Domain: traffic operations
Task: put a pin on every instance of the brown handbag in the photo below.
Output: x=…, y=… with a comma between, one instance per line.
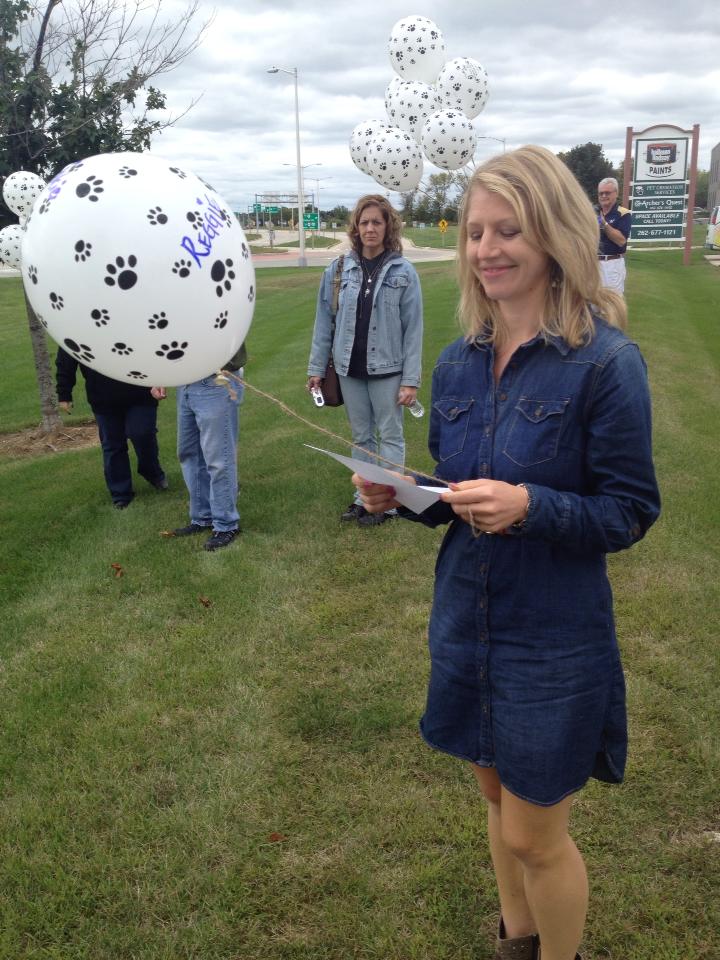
x=332, y=394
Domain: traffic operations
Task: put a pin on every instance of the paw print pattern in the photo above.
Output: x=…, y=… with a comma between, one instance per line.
x=156, y=216
x=137, y=375
x=100, y=316
x=127, y=172
x=251, y=294
x=245, y=250
x=122, y=348
x=158, y=321
x=122, y=273
x=182, y=268
x=56, y=301
x=221, y=320
x=32, y=274
x=90, y=188
x=79, y=350
x=222, y=274
x=178, y=172
x=196, y=221
x=42, y=320
x=83, y=251
x=172, y=350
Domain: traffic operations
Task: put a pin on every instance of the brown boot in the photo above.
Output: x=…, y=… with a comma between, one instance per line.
x=519, y=948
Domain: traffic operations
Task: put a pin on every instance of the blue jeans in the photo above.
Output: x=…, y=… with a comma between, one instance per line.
x=139, y=425
x=208, y=425
x=376, y=420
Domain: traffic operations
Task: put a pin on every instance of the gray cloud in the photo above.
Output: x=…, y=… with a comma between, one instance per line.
x=561, y=73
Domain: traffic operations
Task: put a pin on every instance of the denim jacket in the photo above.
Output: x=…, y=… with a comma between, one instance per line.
x=396, y=324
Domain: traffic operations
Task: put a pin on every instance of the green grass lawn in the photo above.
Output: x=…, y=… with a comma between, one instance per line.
x=215, y=756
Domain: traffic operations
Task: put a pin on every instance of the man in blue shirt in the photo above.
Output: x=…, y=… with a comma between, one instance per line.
x=615, y=222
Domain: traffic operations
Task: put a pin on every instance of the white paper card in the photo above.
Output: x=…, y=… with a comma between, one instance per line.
x=415, y=498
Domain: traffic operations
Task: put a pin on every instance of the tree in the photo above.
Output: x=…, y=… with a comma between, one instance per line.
x=438, y=199
x=701, y=188
x=75, y=80
x=590, y=165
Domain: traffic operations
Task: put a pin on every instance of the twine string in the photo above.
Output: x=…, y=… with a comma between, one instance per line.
x=224, y=378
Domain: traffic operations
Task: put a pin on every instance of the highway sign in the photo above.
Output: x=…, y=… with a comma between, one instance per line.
x=310, y=221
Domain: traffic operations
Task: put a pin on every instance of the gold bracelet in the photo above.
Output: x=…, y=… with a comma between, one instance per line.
x=518, y=525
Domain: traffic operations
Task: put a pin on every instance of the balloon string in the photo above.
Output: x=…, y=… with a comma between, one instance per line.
x=223, y=379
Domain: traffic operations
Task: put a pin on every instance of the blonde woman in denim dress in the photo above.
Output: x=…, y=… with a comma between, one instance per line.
x=541, y=426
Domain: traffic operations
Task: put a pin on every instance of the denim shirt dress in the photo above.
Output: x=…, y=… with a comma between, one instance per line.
x=525, y=669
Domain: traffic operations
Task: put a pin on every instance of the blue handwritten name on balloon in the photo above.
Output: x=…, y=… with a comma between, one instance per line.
x=214, y=220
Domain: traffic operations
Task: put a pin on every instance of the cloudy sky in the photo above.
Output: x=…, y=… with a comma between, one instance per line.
x=561, y=72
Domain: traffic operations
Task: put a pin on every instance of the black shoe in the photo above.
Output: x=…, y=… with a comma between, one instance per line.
x=353, y=512
x=189, y=530
x=372, y=519
x=121, y=504
x=161, y=484
x=220, y=538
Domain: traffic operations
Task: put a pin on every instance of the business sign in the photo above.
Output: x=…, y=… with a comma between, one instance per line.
x=660, y=184
x=653, y=234
x=660, y=189
x=658, y=203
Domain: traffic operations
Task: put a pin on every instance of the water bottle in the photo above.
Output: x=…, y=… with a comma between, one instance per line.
x=416, y=408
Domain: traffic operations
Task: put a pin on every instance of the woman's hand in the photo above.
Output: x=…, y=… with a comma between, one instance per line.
x=377, y=497
x=406, y=395
x=313, y=383
x=490, y=506
x=159, y=393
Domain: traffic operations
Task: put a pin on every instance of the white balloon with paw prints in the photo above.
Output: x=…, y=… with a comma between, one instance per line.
x=139, y=269
x=11, y=245
x=21, y=190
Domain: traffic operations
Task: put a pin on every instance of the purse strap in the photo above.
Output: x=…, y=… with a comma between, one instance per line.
x=337, y=280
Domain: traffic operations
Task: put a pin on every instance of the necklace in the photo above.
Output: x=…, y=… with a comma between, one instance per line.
x=368, y=276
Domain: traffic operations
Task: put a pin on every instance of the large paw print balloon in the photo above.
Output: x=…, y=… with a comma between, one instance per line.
x=130, y=261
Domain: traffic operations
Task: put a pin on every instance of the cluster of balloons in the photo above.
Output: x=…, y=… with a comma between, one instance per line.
x=136, y=267
x=429, y=104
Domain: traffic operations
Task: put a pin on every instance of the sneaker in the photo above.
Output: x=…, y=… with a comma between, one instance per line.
x=353, y=512
x=372, y=519
x=220, y=538
x=121, y=504
x=160, y=484
x=189, y=530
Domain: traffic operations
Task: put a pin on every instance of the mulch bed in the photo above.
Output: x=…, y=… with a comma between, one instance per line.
x=33, y=442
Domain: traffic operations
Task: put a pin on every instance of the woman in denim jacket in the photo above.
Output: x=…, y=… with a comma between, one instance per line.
x=540, y=424
x=377, y=347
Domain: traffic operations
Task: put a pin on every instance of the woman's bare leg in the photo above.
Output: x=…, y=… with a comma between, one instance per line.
x=555, y=880
x=509, y=873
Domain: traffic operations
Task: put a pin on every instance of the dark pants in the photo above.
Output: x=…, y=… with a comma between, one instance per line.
x=116, y=427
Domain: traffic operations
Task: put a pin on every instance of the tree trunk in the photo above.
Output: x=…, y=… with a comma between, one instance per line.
x=51, y=420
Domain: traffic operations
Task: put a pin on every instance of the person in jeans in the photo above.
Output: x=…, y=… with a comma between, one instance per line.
x=123, y=411
x=207, y=436
x=377, y=348
x=540, y=428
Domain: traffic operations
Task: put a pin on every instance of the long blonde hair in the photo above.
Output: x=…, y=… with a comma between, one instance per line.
x=556, y=218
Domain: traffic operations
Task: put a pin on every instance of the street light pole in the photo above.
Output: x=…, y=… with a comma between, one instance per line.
x=302, y=259
x=499, y=140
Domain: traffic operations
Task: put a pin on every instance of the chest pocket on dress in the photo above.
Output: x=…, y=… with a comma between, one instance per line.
x=534, y=433
x=455, y=421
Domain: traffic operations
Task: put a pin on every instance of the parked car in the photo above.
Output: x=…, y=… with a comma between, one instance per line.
x=712, y=237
